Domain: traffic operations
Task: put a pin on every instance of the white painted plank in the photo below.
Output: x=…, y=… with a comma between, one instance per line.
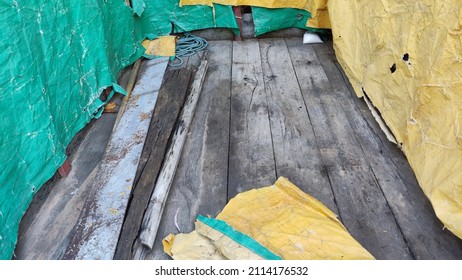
x=97, y=232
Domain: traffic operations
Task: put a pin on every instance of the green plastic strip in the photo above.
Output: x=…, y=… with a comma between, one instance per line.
x=239, y=237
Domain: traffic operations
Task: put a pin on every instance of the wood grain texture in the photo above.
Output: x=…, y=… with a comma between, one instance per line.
x=98, y=228
x=251, y=157
x=153, y=214
x=363, y=208
x=47, y=237
x=169, y=103
x=200, y=185
x=296, y=153
x=422, y=230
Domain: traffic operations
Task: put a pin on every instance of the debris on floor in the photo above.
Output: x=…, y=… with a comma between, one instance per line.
x=275, y=222
x=311, y=38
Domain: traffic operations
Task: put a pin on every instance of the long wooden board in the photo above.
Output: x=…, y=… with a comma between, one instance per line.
x=251, y=157
x=363, y=208
x=100, y=222
x=296, y=153
x=169, y=103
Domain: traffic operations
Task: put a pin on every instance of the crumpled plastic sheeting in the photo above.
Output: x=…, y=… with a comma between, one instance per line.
x=317, y=8
x=208, y=243
x=283, y=219
x=406, y=56
x=162, y=46
x=164, y=17
x=264, y=22
x=297, y=4
x=57, y=58
x=319, y=14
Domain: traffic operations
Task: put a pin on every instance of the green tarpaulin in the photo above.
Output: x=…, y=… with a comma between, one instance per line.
x=166, y=17
x=267, y=20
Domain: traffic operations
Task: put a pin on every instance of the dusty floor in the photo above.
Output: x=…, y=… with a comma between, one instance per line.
x=270, y=108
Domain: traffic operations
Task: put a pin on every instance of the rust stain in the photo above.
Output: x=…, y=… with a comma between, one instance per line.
x=139, y=138
x=144, y=116
x=118, y=156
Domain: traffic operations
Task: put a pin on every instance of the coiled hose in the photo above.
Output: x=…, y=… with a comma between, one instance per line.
x=187, y=46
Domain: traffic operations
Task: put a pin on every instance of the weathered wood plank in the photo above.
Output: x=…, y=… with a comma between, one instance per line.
x=362, y=206
x=296, y=153
x=200, y=185
x=422, y=231
x=100, y=222
x=153, y=214
x=168, y=106
x=251, y=159
x=47, y=237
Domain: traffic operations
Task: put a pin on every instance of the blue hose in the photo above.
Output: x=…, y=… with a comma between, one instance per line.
x=188, y=46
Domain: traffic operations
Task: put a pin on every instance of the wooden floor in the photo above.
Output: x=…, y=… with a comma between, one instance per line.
x=276, y=107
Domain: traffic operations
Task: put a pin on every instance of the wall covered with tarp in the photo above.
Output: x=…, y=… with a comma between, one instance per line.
x=264, y=22
x=317, y=8
x=57, y=57
x=166, y=17
x=406, y=56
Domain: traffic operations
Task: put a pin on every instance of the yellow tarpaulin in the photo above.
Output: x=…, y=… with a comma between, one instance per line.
x=406, y=56
x=317, y=8
x=162, y=46
x=286, y=221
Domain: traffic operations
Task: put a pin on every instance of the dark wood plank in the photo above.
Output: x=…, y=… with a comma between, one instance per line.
x=200, y=184
x=251, y=159
x=297, y=156
x=422, y=230
x=153, y=214
x=170, y=100
x=363, y=208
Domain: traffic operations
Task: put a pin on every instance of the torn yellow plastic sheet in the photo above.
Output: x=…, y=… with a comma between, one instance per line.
x=406, y=56
x=319, y=14
x=191, y=246
x=317, y=8
x=162, y=46
x=206, y=243
x=286, y=221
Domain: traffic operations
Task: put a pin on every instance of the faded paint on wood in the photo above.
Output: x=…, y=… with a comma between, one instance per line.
x=47, y=237
x=100, y=222
x=168, y=106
